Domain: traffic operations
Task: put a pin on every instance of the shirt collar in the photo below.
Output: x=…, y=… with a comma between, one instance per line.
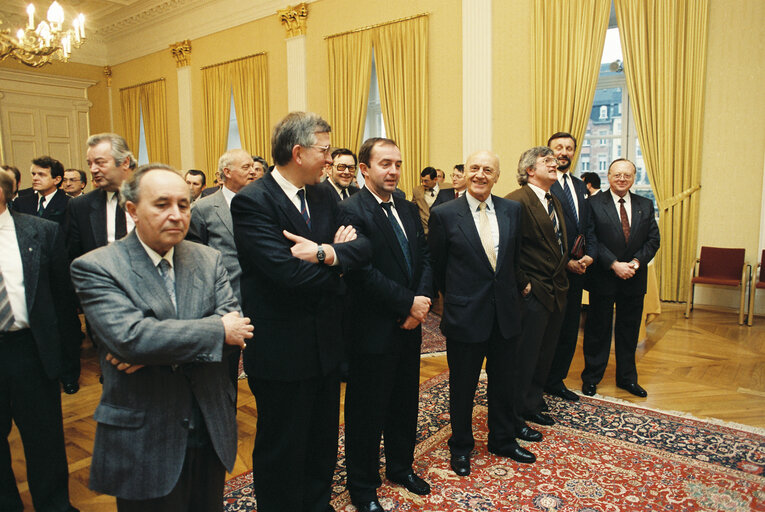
x=616, y=197
x=228, y=194
x=5, y=219
x=379, y=199
x=288, y=188
x=473, y=202
x=154, y=255
x=48, y=197
x=539, y=192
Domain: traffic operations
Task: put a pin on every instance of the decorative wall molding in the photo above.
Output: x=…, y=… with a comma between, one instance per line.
x=294, y=19
x=108, y=75
x=181, y=53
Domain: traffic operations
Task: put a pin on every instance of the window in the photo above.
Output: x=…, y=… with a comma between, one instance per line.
x=602, y=166
x=584, y=164
x=143, y=152
x=234, y=142
x=374, y=126
x=603, y=112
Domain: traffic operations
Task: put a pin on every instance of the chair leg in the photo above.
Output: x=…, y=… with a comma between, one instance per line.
x=741, y=303
x=689, y=303
x=752, y=293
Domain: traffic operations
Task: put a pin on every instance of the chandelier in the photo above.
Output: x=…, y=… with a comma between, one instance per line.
x=38, y=46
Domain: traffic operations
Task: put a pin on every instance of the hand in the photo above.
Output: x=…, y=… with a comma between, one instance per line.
x=123, y=367
x=526, y=291
x=345, y=234
x=420, y=308
x=586, y=261
x=575, y=266
x=306, y=250
x=237, y=329
x=410, y=323
x=622, y=269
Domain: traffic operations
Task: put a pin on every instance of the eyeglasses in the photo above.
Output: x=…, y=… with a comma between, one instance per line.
x=623, y=176
x=343, y=168
x=551, y=160
x=323, y=149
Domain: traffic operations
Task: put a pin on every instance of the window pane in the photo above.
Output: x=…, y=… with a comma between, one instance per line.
x=234, y=142
x=143, y=152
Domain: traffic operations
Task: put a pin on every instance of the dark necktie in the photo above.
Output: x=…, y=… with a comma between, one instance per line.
x=167, y=278
x=402, y=241
x=120, y=223
x=432, y=194
x=456, y=194
x=303, y=208
x=554, y=219
x=344, y=194
x=625, y=220
x=570, y=198
x=6, y=313
x=41, y=206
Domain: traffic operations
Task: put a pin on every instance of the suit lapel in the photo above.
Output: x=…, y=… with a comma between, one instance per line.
x=188, y=286
x=150, y=282
x=29, y=249
x=467, y=226
x=98, y=218
x=606, y=201
x=503, y=222
x=299, y=226
x=223, y=211
x=385, y=227
x=542, y=218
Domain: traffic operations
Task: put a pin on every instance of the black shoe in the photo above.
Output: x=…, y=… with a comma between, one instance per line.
x=545, y=407
x=368, y=506
x=516, y=453
x=71, y=388
x=634, y=388
x=412, y=482
x=589, y=389
x=563, y=392
x=461, y=464
x=529, y=434
x=541, y=419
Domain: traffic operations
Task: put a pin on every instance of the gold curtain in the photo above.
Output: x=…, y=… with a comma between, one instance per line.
x=153, y=103
x=350, y=68
x=568, y=44
x=216, y=88
x=401, y=52
x=665, y=46
x=131, y=117
x=249, y=79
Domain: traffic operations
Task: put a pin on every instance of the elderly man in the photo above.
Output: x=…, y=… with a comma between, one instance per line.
x=628, y=238
x=475, y=241
x=74, y=182
x=571, y=193
x=166, y=429
x=196, y=180
x=49, y=201
x=391, y=298
x=544, y=253
x=293, y=251
x=340, y=174
x=37, y=318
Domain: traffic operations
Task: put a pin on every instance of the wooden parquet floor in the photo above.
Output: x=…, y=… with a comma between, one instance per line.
x=707, y=366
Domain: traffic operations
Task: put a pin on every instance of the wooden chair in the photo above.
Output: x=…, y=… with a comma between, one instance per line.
x=720, y=266
x=758, y=281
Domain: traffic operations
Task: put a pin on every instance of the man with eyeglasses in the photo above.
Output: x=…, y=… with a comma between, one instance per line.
x=74, y=182
x=628, y=238
x=571, y=192
x=340, y=174
x=544, y=254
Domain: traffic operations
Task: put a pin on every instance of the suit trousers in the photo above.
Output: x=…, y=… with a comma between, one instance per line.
x=199, y=487
x=381, y=399
x=295, y=452
x=33, y=401
x=569, y=332
x=597, y=336
x=465, y=361
x=539, y=337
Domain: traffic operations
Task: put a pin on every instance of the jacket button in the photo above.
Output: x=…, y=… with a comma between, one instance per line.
x=185, y=423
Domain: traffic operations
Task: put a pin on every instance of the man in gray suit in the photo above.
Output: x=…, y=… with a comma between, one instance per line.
x=165, y=314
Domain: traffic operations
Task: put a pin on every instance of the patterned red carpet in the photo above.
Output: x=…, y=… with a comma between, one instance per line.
x=600, y=456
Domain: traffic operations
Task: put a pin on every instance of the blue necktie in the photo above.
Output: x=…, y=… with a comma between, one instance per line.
x=41, y=208
x=168, y=279
x=570, y=198
x=402, y=241
x=303, y=209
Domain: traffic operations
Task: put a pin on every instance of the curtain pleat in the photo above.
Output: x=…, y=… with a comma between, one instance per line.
x=131, y=117
x=153, y=103
x=216, y=88
x=249, y=79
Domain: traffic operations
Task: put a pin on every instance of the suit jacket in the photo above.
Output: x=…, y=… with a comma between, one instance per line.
x=143, y=418
x=383, y=290
x=52, y=316
x=55, y=210
x=643, y=244
x=418, y=198
x=211, y=225
x=290, y=301
x=208, y=191
x=85, y=224
x=585, y=226
x=542, y=262
x=475, y=296
x=352, y=189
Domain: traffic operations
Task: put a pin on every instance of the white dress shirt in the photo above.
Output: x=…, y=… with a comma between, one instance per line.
x=564, y=176
x=627, y=205
x=48, y=198
x=156, y=257
x=393, y=209
x=111, y=217
x=13, y=271
x=430, y=199
x=291, y=190
x=228, y=195
x=474, y=203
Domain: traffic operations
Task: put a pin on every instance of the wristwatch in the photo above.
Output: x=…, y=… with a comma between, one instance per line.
x=635, y=264
x=320, y=254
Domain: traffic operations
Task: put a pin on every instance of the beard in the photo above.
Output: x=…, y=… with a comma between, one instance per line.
x=563, y=167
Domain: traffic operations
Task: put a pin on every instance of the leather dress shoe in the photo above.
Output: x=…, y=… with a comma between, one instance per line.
x=516, y=453
x=545, y=407
x=412, y=483
x=461, y=464
x=529, y=434
x=589, y=389
x=368, y=506
x=563, y=392
x=71, y=388
x=541, y=419
x=634, y=388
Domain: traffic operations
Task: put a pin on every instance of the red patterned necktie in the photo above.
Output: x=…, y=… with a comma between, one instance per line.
x=625, y=220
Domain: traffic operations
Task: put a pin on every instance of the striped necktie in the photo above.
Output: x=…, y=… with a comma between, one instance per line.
x=569, y=197
x=554, y=219
x=168, y=280
x=304, y=208
x=6, y=313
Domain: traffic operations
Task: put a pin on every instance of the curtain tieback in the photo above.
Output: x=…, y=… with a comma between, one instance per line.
x=682, y=196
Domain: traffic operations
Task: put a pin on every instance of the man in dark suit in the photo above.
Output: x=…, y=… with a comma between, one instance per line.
x=36, y=318
x=292, y=252
x=571, y=193
x=544, y=254
x=49, y=201
x=391, y=298
x=475, y=242
x=628, y=238
x=341, y=173
x=74, y=182
x=592, y=182
x=165, y=314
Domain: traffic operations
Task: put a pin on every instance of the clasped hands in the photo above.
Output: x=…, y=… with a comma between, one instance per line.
x=579, y=266
x=306, y=249
x=417, y=313
x=623, y=269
